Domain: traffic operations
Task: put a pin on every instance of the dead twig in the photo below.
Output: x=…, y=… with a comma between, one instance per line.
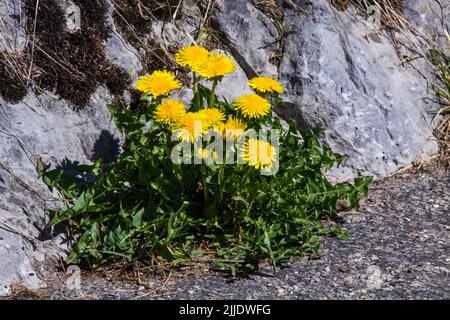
x=156, y=290
x=33, y=42
x=177, y=9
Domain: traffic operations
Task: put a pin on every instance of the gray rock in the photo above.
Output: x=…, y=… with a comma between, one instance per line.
x=51, y=130
x=234, y=85
x=430, y=17
x=16, y=265
x=181, y=31
x=120, y=52
x=45, y=127
x=72, y=14
x=12, y=27
x=427, y=26
x=340, y=77
x=250, y=35
x=185, y=95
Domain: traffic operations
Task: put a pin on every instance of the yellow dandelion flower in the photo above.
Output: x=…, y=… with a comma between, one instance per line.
x=189, y=56
x=159, y=83
x=212, y=116
x=266, y=84
x=215, y=65
x=169, y=111
x=259, y=154
x=232, y=129
x=252, y=105
x=189, y=127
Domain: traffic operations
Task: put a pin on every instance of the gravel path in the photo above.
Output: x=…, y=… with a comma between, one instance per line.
x=399, y=250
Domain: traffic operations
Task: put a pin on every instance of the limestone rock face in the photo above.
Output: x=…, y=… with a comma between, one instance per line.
x=430, y=17
x=47, y=127
x=250, y=35
x=338, y=72
x=344, y=76
x=53, y=131
x=341, y=77
x=11, y=30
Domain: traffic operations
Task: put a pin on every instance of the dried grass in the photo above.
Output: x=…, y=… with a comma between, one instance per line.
x=269, y=8
x=21, y=292
x=442, y=134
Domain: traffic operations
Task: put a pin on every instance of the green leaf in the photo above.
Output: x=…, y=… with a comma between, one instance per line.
x=269, y=248
x=137, y=218
x=197, y=253
x=82, y=203
x=95, y=232
x=143, y=205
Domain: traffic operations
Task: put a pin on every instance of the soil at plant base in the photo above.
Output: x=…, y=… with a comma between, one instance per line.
x=399, y=250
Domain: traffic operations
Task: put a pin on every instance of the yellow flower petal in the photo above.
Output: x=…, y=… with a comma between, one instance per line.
x=189, y=127
x=159, y=83
x=266, y=84
x=189, y=56
x=252, y=106
x=169, y=111
x=215, y=65
x=212, y=116
x=232, y=129
x=259, y=154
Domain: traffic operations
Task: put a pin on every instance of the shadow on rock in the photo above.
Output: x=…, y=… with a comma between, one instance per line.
x=107, y=148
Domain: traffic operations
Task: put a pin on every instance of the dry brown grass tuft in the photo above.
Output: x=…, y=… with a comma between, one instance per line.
x=13, y=71
x=391, y=11
x=269, y=8
x=71, y=64
x=442, y=134
x=21, y=292
x=134, y=20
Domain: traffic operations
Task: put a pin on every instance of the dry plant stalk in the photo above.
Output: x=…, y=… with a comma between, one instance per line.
x=442, y=133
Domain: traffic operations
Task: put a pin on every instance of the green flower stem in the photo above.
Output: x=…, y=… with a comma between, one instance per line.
x=156, y=103
x=220, y=181
x=213, y=93
x=195, y=89
x=205, y=188
x=244, y=177
x=194, y=83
